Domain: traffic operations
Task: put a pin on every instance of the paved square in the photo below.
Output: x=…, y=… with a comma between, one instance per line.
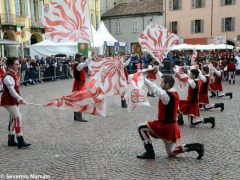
x=106, y=148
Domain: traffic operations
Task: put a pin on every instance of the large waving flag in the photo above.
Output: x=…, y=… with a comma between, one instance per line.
x=67, y=20
x=158, y=41
x=135, y=92
x=181, y=82
x=111, y=70
x=90, y=100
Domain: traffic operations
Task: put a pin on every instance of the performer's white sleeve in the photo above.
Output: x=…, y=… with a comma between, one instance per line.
x=202, y=77
x=218, y=73
x=10, y=83
x=127, y=62
x=150, y=66
x=159, y=75
x=157, y=91
x=82, y=65
x=191, y=83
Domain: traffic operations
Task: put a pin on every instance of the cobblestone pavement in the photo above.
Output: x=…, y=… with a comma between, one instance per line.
x=106, y=148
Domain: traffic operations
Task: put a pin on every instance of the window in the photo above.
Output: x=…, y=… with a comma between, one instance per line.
x=40, y=8
x=26, y=7
x=175, y=5
x=228, y=24
x=18, y=7
x=197, y=26
x=118, y=27
x=198, y=4
x=173, y=27
x=228, y=2
x=135, y=25
x=149, y=21
x=238, y=37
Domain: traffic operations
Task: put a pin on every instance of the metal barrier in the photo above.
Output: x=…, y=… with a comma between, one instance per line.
x=45, y=73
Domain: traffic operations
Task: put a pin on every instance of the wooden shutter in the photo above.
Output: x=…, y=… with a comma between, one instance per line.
x=193, y=27
x=193, y=4
x=222, y=2
x=202, y=26
x=233, y=24
x=170, y=5
x=203, y=3
x=223, y=24
x=180, y=4
x=233, y=2
x=170, y=26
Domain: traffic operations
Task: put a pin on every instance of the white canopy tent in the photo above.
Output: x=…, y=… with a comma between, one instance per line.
x=200, y=47
x=106, y=36
x=48, y=48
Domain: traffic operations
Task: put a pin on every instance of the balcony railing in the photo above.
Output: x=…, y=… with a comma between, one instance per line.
x=12, y=19
x=37, y=24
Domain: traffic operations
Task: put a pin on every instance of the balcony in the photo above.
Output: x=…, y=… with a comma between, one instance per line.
x=12, y=19
x=37, y=24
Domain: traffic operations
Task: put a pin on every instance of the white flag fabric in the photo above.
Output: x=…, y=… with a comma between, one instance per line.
x=67, y=20
x=111, y=70
x=135, y=93
x=157, y=41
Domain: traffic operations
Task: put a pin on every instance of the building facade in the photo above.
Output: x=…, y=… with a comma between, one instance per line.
x=127, y=20
x=94, y=6
x=204, y=21
x=20, y=20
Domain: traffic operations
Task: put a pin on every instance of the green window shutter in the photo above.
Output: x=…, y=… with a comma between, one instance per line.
x=203, y=3
x=223, y=24
x=193, y=27
x=234, y=2
x=170, y=5
x=193, y=4
x=222, y=2
x=233, y=23
x=202, y=26
x=180, y=4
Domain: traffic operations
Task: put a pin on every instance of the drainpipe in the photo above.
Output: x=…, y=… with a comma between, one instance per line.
x=212, y=18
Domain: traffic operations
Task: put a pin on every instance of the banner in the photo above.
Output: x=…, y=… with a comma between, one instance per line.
x=157, y=41
x=67, y=20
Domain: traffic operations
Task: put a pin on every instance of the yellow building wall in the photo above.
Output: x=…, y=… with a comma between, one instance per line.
x=94, y=6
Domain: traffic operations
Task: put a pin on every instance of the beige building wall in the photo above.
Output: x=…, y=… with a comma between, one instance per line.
x=212, y=15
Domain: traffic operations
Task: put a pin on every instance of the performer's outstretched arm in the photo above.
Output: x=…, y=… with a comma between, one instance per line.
x=157, y=91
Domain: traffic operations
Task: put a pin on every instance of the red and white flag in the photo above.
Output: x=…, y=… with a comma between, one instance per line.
x=181, y=82
x=158, y=41
x=67, y=20
x=90, y=100
x=135, y=93
x=111, y=72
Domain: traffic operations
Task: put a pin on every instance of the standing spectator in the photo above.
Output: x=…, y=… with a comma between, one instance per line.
x=238, y=63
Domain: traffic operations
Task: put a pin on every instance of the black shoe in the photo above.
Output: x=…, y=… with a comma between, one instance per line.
x=149, y=154
x=123, y=103
x=213, y=94
x=199, y=148
x=11, y=140
x=180, y=120
x=148, y=94
x=152, y=95
x=229, y=81
x=78, y=117
x=229, y=94
x=221, y=105
x=233, y=81
x=22, y=143
x=210, y=120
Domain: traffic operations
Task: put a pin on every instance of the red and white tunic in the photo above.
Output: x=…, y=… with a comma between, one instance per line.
x=217, y=84
x=166, y=126
x=79, y=75
x=204, y=86
x=151, y=74
x=191, y=105
x=11, y=84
